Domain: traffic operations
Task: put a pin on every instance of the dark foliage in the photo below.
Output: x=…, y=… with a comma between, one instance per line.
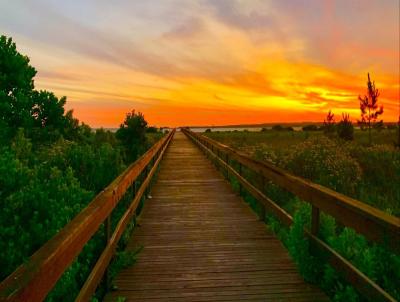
x=379, y=126
x=345, y=128
x=132, y=134
x=310, y=128
x=329, y=124
x=282, y=128
x=152, y=130
x=40, y=113
x=50, y=168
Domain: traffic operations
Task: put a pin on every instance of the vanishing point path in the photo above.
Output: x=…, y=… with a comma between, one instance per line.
x=202, y=242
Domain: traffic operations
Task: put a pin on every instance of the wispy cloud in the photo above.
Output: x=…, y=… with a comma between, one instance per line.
x=232, y=58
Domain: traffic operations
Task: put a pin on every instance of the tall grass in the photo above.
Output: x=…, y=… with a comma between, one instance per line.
x=368, y=173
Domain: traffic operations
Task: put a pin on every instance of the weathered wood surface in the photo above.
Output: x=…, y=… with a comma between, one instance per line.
x=203, y=243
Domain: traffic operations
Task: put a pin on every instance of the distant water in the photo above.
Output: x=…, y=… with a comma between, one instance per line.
x=250, y=129
x=222, y=129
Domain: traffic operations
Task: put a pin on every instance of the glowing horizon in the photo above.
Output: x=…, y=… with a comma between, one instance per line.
x=204, y=62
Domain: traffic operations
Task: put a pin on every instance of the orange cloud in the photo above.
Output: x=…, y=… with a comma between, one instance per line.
x=220, y=62
x=274, y=91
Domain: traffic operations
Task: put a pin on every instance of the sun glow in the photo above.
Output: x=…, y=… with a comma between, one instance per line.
x=219, y=63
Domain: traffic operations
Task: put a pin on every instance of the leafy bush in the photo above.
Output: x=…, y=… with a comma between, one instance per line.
x=282, y=128
x=345, y=128
x=152, y=130
x=36, y=203
x=310, y=128
x=381, y=175
x=299, y=248
x=323, y=161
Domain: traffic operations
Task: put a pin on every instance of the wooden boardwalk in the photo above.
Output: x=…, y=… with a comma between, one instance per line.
x=203, y=243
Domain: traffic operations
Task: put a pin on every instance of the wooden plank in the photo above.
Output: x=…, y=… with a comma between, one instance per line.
x=373, y=223
x=283, y=216
x=34, y=279
x=201, y=241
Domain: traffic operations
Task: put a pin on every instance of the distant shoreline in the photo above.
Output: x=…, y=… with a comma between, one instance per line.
x=259, y=125
x=294, y=124
x=286, y=124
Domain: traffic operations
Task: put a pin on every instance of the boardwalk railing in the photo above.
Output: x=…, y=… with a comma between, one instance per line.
x=33, y=280
x=374, y=224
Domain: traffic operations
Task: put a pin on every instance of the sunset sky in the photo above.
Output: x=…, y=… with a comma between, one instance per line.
x=209, y=62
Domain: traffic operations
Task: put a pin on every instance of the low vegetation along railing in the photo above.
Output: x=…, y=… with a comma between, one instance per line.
x=33, y=280
x=374, y=224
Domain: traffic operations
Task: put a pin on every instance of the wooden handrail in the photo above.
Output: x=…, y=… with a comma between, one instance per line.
x=387, y=225
x=33, y=280
x=373, y=223
x=98, y=271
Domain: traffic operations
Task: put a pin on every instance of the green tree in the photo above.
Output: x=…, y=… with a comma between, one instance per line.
x=48, y=110
x=132, y=134
x=16, y=85
x=329, y=124
x=370, y=110
x=40, y=113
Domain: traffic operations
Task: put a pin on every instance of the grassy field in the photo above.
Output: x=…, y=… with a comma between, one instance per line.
x=370, y=173
x=248, y=141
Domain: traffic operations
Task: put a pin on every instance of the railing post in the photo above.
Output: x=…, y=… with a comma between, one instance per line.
x=134, y=188
x=146, y=192
x=240, y=185
x=134, y=195
x=314, y=220
x=227, y=164
x=107, y=232
x=262, y=190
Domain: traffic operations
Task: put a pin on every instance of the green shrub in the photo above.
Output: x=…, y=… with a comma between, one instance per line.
x=310, y=128
x=323, y=161
x=36, y=203
x=299, y=247
x=345, y=128
x=381, y=176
